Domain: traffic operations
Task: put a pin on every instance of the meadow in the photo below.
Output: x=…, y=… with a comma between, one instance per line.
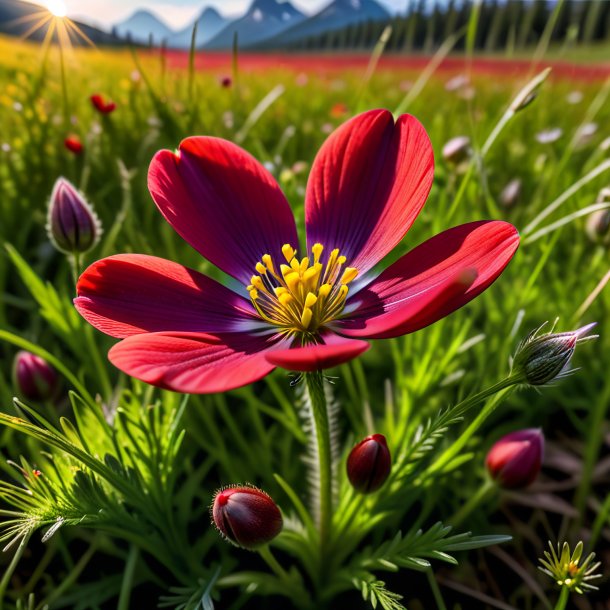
x=106, y=486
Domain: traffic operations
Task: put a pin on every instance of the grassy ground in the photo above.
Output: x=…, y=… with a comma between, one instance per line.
x=282, y=117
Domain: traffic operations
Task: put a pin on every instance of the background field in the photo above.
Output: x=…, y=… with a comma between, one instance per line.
x=282, y=115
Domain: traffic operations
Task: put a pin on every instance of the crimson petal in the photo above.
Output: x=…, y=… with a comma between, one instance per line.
x=130, y=294
x=196, y=363
x=367, y=185
x=223, y=202
x=431, y=281
x=334, y=351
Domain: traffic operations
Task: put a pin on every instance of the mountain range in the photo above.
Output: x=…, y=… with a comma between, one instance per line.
x=265, y=23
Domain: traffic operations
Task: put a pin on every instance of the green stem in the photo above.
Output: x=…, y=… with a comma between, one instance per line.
x=319, y=410
x=562, y=602
x=272, y=562
x=127, y=584
x=12, y=567
x=481, y=494
x=438, y=598
x=64, y=85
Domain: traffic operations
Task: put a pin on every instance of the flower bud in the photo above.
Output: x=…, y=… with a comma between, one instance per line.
x=74, y=145
x=598, y=227
x=369, y=464
x=101, y=105
x=540, y=359
x=457, y=150
x=510, y=193
x=34, y=377
x=515, y=460
x=246, y=516
x=72, y=224
x=226, y=82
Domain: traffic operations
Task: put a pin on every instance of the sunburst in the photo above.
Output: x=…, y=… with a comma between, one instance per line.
x=58, y=26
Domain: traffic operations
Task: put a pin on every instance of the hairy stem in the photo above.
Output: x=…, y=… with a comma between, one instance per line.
x=319, y=409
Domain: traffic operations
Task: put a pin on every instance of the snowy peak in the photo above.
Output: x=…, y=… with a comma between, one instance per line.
x=141, y=26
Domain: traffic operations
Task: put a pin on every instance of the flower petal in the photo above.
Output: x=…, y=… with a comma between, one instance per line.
x=195, y=363
x=130, y=294
x=431, y=281
x=223, y=202
x=367, y=185
x=334, y=351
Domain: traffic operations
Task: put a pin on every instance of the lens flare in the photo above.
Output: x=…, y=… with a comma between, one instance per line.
x=57, y=7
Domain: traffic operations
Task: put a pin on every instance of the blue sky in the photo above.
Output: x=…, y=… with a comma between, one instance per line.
x=177, y=13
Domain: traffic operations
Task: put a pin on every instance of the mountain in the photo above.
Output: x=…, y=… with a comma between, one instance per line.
x=264, y=19
x=20, y=18
x=338, y=14
x=141, y=26
x=209, y=23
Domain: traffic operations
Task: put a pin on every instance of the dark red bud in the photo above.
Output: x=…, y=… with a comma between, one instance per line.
x=102, y=106
x=226, y=82
x=246, y=516
x=74, y=145
x=73, y=226
x=515, y=460
x=369, y=464
x=34, y=377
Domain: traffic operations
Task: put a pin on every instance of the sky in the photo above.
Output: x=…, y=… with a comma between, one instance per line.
x=176, y=13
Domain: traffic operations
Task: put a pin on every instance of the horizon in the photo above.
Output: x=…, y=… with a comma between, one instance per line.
x=179, y=13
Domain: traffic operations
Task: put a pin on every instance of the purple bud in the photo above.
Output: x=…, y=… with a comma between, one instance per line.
x=246, y=516
x=542, y=358
x=72, y=224
x=457, y=149
x=515, y=460
x=510, y=193
x=369, y=464
x=34, y=377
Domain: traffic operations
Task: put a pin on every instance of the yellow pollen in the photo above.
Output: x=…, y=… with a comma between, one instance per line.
x=268, y=262
x=306, y=317
x=349, y=275
x=288, y=252
x=306, y=293
x=311, y=299
x=317, y=250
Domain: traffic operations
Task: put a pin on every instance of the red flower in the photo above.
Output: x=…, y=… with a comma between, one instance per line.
x=515, y=460
x=226, y=82
x=102, y=106
x=184, y=331
x=74, y=145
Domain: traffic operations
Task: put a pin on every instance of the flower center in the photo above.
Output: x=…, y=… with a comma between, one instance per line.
x=301, y=296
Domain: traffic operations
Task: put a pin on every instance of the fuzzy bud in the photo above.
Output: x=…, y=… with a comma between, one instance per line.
x=598, y=227
x=72, y=224
x=34, y=377
x=246, y=516
x=457, y=150
x=515, y=460
x=542, y=358
x=369, y=464
x=510, y=193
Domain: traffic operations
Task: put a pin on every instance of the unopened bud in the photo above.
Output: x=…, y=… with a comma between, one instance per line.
x=369, y=464
x=457, y=149
x=101, y=105
x=542, y=358
x=510, y=193
x=72, y=224
x=515, y=460
x=34, y=377
x=246, y=516
x=598, y=227
x=530, y=92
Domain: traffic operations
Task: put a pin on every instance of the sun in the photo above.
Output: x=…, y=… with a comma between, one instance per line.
x=57, y=7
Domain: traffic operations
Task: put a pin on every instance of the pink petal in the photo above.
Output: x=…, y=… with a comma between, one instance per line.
x=223, y=202
x=335, y=351
x=129, y=294
x=367, y=185
x=195, y=363
x=431, y=281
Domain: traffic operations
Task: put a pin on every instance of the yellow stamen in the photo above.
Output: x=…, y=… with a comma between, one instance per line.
x=261, y=268
x=268, y=262
x=311, y=299
x=288, y=252
x=349, y=275
x=306, y=317
x=317, y=250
